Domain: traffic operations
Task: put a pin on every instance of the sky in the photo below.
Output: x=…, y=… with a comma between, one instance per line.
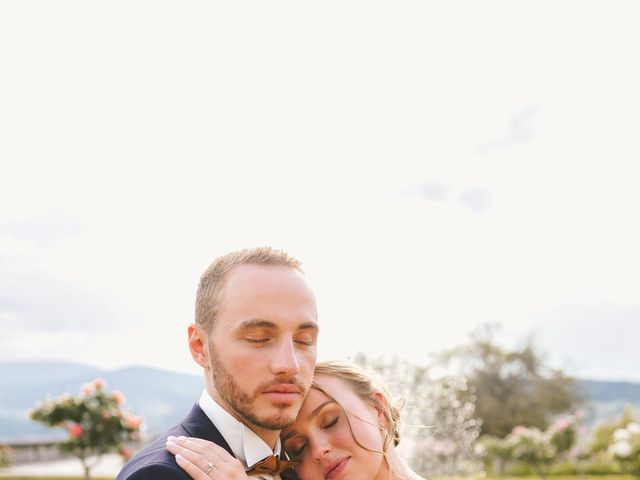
x=435, y=165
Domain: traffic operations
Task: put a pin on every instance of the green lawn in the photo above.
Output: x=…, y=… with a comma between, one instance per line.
x=551, y=477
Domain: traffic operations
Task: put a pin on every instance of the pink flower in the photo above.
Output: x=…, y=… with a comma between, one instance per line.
x=133, y=422
x=87, y=388
x=126, y=453
x=562, y=424
x=99, y=384
x=76, y=430
x=118, y=397
x=519, y=430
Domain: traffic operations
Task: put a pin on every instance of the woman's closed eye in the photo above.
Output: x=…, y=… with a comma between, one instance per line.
x=294, y=451
x=331, y=423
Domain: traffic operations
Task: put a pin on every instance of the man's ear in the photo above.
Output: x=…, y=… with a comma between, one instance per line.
x=198, y=345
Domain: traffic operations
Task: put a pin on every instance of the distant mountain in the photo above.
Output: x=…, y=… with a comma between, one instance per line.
x=612, y=391
x=160, y=396
x=163, y=397
x=608, y=399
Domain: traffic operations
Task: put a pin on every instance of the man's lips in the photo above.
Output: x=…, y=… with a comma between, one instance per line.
x=283, y=388
x=335, y=467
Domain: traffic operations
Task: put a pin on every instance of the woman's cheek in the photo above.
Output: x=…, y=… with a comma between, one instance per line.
x=305, y=470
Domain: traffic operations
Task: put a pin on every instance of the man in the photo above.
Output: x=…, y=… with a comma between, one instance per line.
x=255, y=337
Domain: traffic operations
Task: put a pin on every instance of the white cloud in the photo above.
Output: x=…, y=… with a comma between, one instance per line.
x=476, y=199
x=521, y=130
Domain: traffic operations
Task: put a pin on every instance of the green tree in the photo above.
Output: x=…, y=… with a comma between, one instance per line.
x=94, y=420
x=512, y=387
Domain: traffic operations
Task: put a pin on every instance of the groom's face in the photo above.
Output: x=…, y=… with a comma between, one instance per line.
x=263, y=345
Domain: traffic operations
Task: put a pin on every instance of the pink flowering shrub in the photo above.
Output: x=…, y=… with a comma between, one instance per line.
x=533, y=447
x=94, y=420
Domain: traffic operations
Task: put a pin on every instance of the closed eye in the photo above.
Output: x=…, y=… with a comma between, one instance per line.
x=296, y=452
x=331, y=423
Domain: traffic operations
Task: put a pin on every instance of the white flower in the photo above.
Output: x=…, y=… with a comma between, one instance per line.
x=633, y=428
x=621, y=449
x=621, y=434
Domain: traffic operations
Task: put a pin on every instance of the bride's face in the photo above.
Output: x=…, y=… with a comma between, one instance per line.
x=322, y=441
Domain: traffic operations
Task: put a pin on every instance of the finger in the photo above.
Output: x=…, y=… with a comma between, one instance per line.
x=204, y=447
x=191, y=468
x=226, y=471
x=196, y=458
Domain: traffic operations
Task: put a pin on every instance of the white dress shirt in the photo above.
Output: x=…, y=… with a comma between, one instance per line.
x=245, y=444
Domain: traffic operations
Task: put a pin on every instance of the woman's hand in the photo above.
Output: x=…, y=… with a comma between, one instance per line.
x=204, y=460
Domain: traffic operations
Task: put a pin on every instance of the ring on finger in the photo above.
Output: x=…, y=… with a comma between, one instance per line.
x=208, y=469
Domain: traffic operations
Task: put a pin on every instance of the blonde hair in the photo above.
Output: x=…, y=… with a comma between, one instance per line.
x=213, y=279
x=365, y=384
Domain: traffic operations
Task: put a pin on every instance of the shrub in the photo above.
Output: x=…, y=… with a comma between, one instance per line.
x=94, y=420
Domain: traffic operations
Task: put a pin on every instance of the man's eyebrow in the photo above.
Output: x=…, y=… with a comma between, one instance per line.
x=309, y=326
x=260, y=323
x=311, y=415
x=256, y=323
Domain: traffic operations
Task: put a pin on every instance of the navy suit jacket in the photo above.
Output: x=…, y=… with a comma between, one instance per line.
x=154, y=462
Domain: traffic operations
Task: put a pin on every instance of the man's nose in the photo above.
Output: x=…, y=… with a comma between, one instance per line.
x=285, y=361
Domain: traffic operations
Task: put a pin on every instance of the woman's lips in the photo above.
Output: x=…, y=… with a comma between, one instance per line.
x=335, y=468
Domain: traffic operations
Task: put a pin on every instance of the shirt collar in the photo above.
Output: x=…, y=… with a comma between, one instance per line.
x=245, y=444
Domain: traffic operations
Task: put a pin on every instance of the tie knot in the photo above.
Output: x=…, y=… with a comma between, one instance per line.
x=271, y=465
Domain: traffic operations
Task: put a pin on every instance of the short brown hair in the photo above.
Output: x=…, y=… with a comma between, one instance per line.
x=212, y=280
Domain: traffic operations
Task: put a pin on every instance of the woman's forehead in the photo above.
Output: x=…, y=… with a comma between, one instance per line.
x=330, y=383
x=330, y=388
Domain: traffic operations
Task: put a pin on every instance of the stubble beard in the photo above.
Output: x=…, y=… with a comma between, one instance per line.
x=241, y=403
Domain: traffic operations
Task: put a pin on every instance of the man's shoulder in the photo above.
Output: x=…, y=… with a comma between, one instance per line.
x=154, y=471
x=154, y=461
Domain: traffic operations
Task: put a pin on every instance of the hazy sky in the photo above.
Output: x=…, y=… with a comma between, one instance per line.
x=436, y=166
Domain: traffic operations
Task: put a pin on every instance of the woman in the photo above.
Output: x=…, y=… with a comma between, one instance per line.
x=347, y=427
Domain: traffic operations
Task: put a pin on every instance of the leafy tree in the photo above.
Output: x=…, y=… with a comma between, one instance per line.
x=94, y=420
x=512, y=387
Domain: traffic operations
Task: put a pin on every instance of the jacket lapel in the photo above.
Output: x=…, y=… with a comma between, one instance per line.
x=198, y=425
